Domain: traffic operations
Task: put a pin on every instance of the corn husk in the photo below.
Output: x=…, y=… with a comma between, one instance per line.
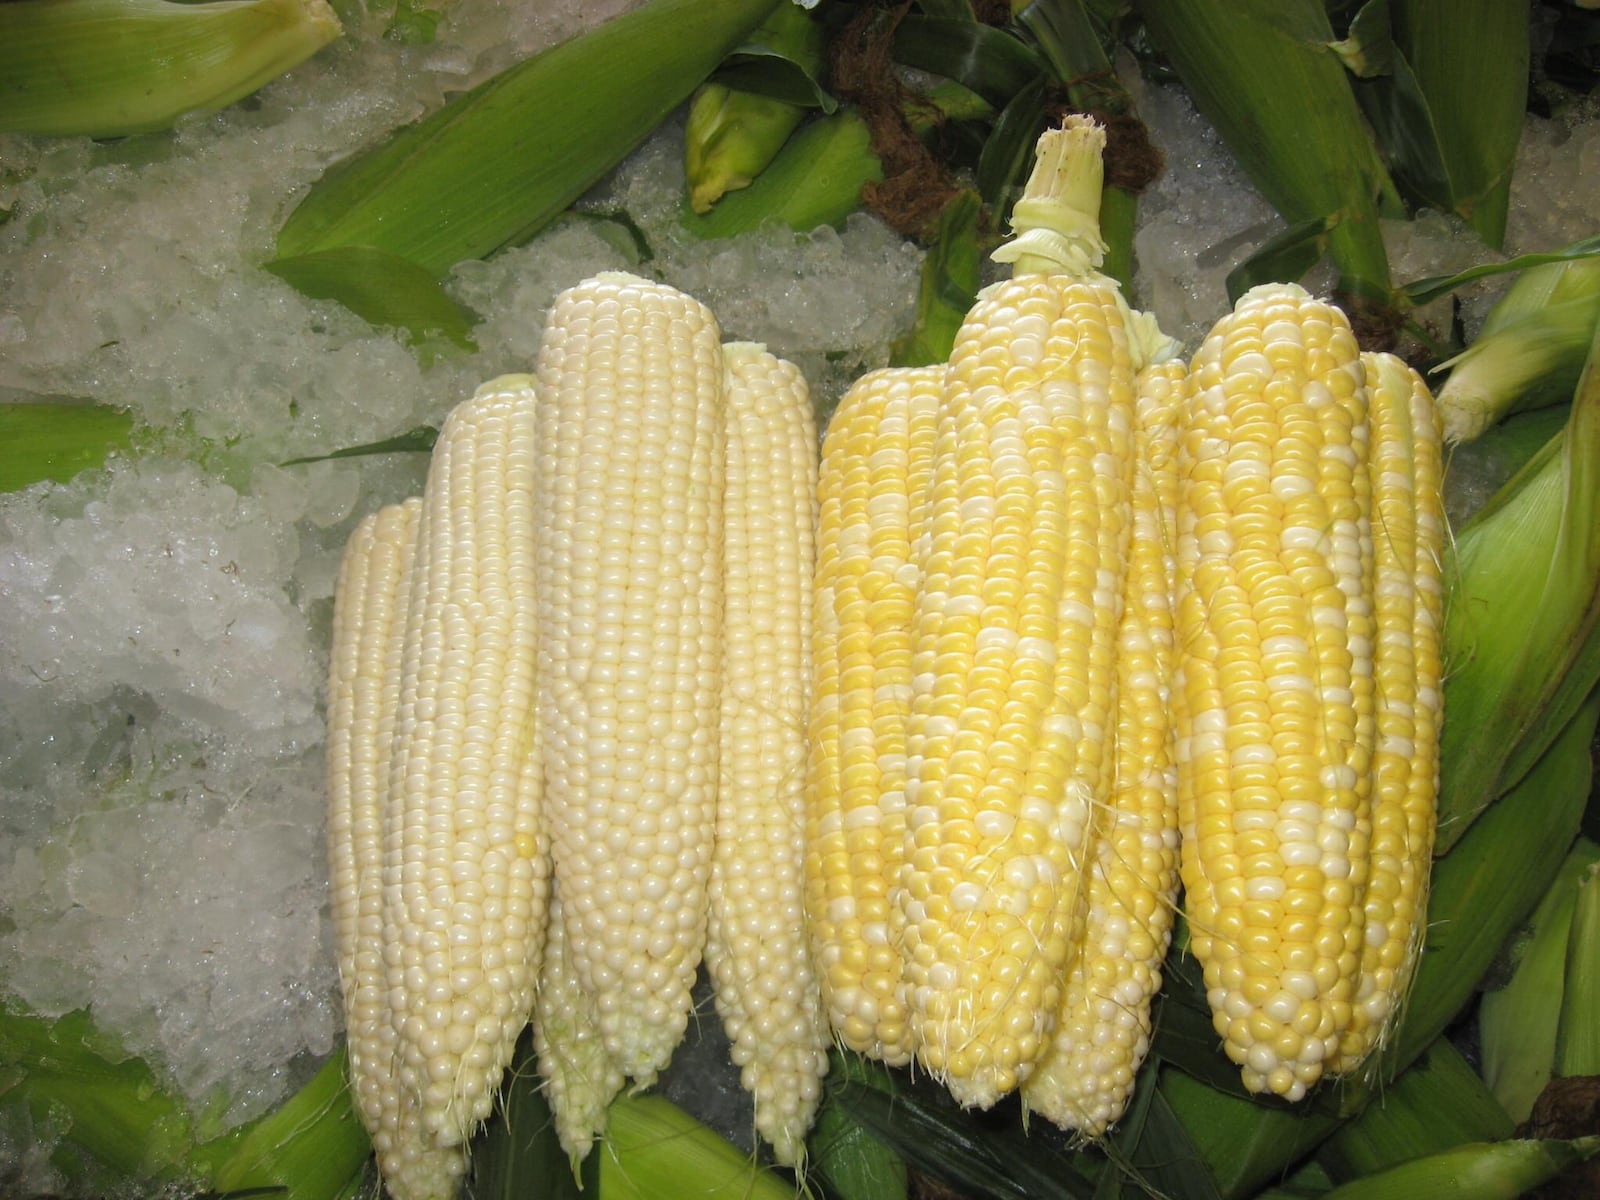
x=1517, y=1023
x=107, y=68
x=1478, y=1171
x=1262, y=71
x=1520, y=626
x=1577, y=1042
x=499, y=162
x=1530, y=351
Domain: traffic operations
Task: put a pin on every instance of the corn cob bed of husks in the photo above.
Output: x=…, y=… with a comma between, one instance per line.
x=1079, y=619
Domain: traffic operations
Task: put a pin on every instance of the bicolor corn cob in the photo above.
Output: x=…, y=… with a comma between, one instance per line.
x=1014, y=628
x=628, y=535
x=363, y=696
x=1307, y=687
x=1408, y=528
x=1102, y=1033
x=756, y=950
x=876, y=458
x=465, y=875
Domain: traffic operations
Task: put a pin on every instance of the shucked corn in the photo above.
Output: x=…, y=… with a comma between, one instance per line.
x=486, y=733
x=1253, y=549
x=1069, y=604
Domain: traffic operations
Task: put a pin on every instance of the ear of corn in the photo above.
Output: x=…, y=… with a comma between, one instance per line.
x=1408, y=540
x=106, y=68
x=466, y=868
x=1530, y=351
x=365, y=678
x=1274, y=688
x=756, y=947
x=876, y=458
x=1014, y=627
x=731, y=137
x=1102, y=1033
x=628, y=541
x=1523, y=616
x=816, y=179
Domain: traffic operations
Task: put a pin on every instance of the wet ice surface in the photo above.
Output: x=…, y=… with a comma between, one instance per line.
x=161, y=672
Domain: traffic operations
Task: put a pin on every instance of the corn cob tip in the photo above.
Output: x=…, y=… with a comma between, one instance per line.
x=1056, y=224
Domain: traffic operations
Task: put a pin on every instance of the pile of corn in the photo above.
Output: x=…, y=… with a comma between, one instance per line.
x=1079, y=621
x=1078, y=605
x=567, y=737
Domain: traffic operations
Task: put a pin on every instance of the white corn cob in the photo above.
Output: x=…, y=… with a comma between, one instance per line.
x=363, y=694
x=628, y=535
x=765, y=987
x=466, y=868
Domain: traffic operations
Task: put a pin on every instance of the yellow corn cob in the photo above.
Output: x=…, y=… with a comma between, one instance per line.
x=1015, y=628
x=756, y=951
x=1274, y=684
x=876, y=458
x=580, y=1077
x=363, y=694
x=1103, y=1031
x=1408, y=548
x=628, y=539
x=465, y=865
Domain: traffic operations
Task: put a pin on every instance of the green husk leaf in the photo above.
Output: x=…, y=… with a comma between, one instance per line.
x=652, y=1148
x=949, y=284
x=50, y=437
x=1479, y=468
x=496, y=164
x=1520, y=624
x=414, y=441
x=1368, y=48
x=104, y=1103
x=1493, y=877
x=108, y=68
x=1284, y=258
x=1438, y=1103
x=518, y=1154
x=1262, y=72
x=382, y=288
x=990, y=61
x=312, y=1147
x=816, y=179
x=1577, y=1048
x=782, y=59
x=1428, y=289
x=1405, y=127
x=1530, y=351
x=1243, y=1144
x=1477, y=1171
x=985, y=1160
x=1517, y=1022
x=1008, y=153
x=851, y=1162
x=1152, y=1151
x=1470, y=66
